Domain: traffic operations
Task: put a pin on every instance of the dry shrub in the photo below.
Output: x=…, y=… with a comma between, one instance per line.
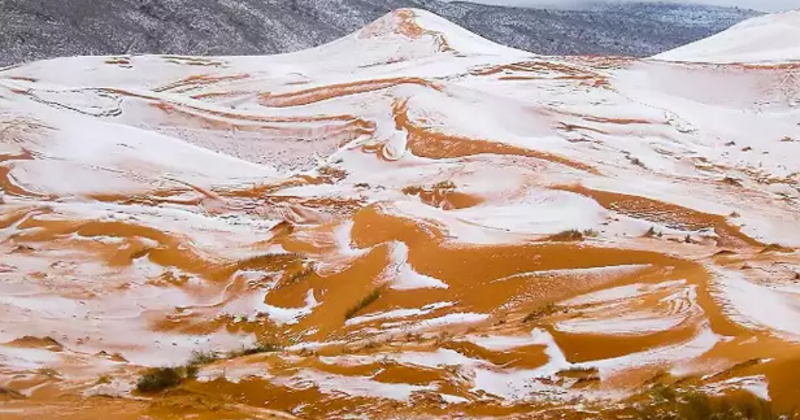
x=363, y=303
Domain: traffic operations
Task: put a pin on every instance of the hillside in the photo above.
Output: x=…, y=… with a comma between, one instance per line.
x=771, y=38
x=40, y=29
x=411, y=221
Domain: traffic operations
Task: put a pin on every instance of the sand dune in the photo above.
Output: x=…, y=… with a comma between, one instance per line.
x=410, y=222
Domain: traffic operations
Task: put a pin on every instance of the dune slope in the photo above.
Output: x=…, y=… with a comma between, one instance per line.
x=409, y=222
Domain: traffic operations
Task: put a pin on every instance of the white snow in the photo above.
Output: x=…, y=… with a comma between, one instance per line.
x=233, y=372
x=620, y=293
x=502, y=343
x=453, y=399
x=408, y=279
x=405, y=277
x=616, y=311
x=287, y=316
x=764, y=39
x=358, y=386
x=757, y=385
x=445, y=320
x=628, y=324
x=759, y=306
x=398, y=313
x=538, y=212
x=664, y=129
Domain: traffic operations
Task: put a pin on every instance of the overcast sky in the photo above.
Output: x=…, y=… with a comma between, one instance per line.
x=764, y=5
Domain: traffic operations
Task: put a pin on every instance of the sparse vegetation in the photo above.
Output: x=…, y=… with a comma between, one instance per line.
x=50, y=373
x=636, y=161
x=443, y=337
x=295, y=275
x=103, y=379
x=590, y=233
x=586, y=381
x=163, y=378
x=724, y=253
x=141, y=253
x=731, y=181
x=191, y=371
x=652, y=233
x=160, y=379
x=412, y=190
x=278, y=261
x=576, y=371
x=363, y=303
x=669, y=403
x=444, y=185
x=332, y=173
x=203, y=357
x=258, y=348
x=788, y=139
x=567, y=235
x=417, y=190
x=23, y=248
x=543, y=311
x=582, y=376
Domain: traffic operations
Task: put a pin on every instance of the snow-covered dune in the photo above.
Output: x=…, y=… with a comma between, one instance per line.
x=406, y=221
x=764, y=39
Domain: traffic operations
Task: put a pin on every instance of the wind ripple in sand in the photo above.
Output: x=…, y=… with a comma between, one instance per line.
x=411, y=222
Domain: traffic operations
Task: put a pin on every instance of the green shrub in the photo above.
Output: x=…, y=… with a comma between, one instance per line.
x=160, y=379
x=190, y=371
x=363, y=303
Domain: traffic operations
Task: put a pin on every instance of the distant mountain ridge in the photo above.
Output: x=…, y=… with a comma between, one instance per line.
x=39, y=29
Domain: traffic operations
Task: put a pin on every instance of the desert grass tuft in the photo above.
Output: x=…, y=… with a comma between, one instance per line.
x=160, y=379
x=363, y=303
x=666, y=402
x=567, y=235
x=258, y=348
x=542, y=312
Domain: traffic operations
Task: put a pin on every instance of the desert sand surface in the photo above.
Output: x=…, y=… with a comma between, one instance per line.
x=409, y=222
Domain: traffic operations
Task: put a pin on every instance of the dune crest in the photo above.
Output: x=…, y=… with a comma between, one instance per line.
x=410, y=221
